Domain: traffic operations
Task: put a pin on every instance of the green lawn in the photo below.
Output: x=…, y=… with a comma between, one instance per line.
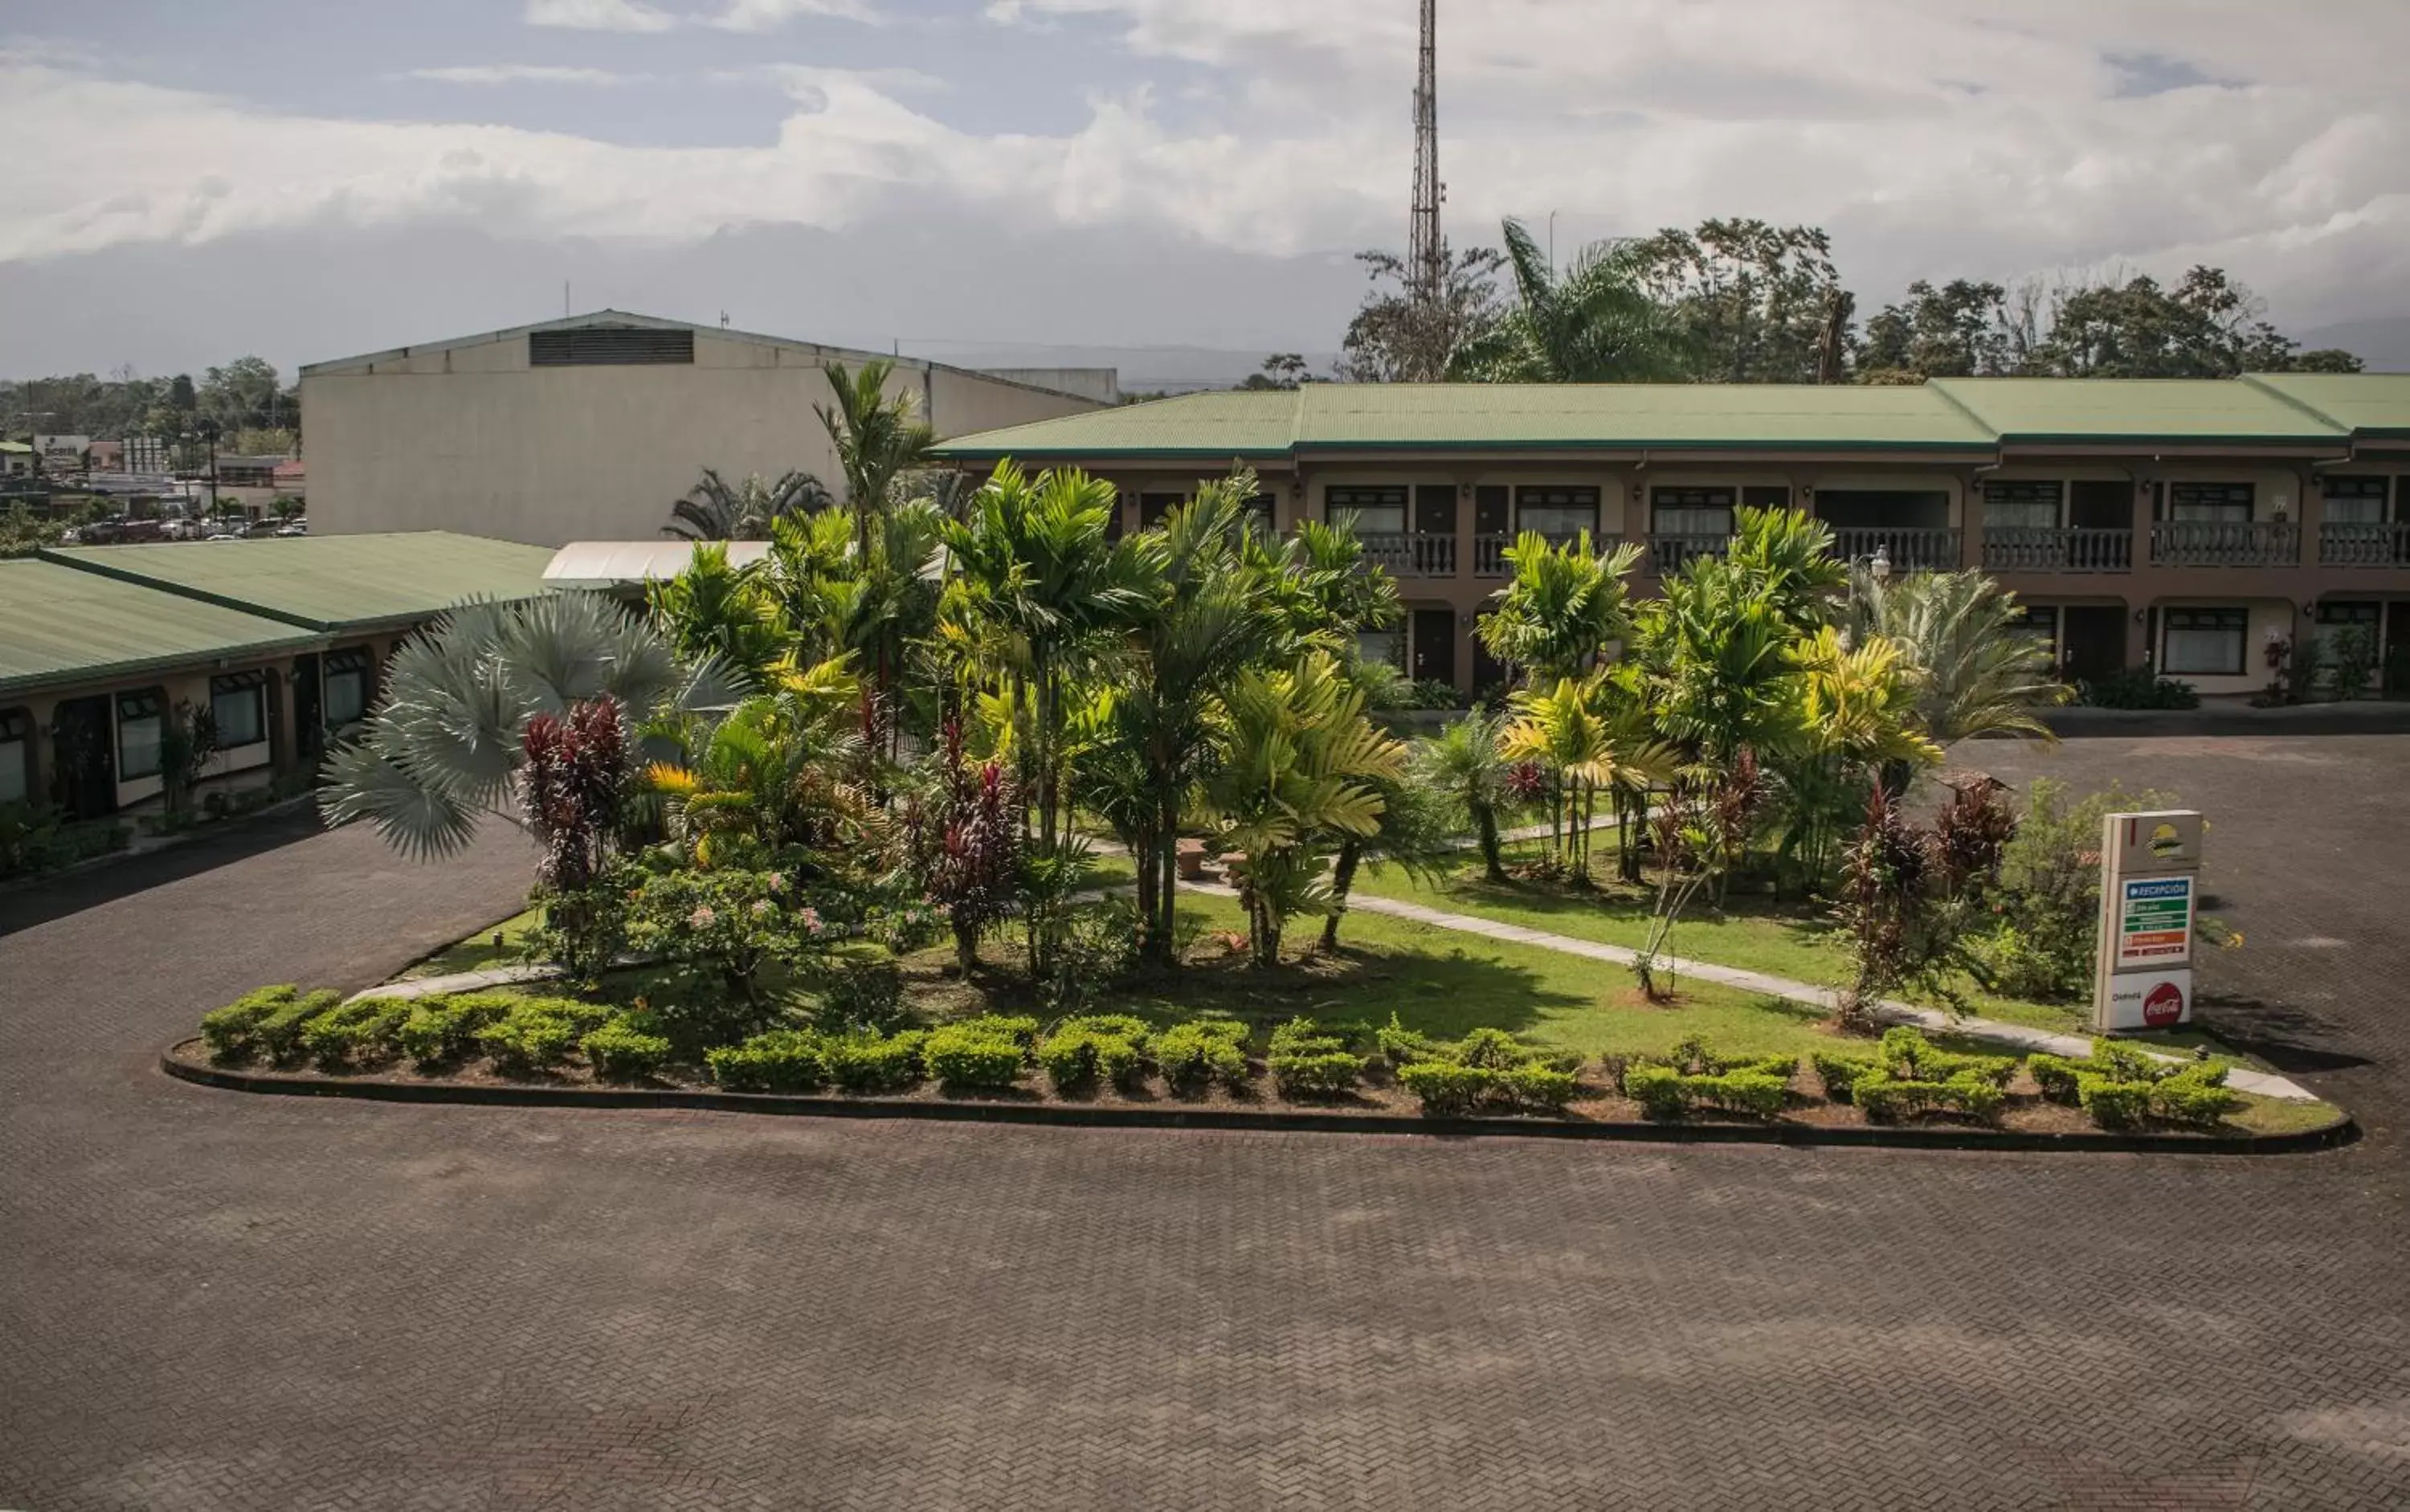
x=1755, y=934
x=480, y=950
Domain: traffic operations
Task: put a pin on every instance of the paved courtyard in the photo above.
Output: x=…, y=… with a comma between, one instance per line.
x=213, y=1301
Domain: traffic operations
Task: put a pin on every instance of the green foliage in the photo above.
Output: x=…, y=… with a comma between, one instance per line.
x=2118, y=1105
x=976, y=1054
x=2122, y=1086
x=734, y=924
x=782, y=1060
x=2351, y=661
x=860, y=995
x=35, y=839
x=1448, y=1088
x=2136, y=687
x=356, y=1030
x=1194, y=1056
x=868, y=1063
x=232, y=1032
x=1402, y=1047
x=1105, y=1047
x=1840, y=1075
x=442, y=1029
x=2195, y=1095
x=1541, y=1088
x=1910, y=1076
x=278, y=1032
x=2044, y=915
x=1693, y=1076
x=1324, y=1073
x=537, y=1032
x=620, y=1051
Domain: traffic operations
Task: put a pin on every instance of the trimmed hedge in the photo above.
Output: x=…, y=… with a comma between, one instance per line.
x=278, y=1032
x=874, y=1063
x=1909, y=1076
x=232, y=1032
x=2122, y=1086
x=783, y=1060
x=1311, y=1059
x=1110, y=1047
x=1693, y=1076
x=623, y=1051
x=534, y=1033
x=1194, y=1056
x=361, y=1029
x=1487, y=1069
x=981, y=1055
x=444, y=1028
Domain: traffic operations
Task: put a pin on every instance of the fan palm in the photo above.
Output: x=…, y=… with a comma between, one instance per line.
x=1956, y=634
x=1595, y=323
x=714, y=511
x=1300, y=762
x=446, y=738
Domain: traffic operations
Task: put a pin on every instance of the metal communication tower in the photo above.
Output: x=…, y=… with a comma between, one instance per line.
x=1425, y=261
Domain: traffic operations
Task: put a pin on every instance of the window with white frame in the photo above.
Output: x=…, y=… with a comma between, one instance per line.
x=2204, y=643
x=1556, y=512
x=15, y=756
x=141, y=721
x=239, y=708
x=2021, y=505
x=1691, y=511
x=2355, y=501
x=2224, y=503
x=1378, y=511
x=348, y=685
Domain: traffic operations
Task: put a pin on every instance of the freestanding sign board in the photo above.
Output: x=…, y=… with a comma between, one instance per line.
x=2150, y=867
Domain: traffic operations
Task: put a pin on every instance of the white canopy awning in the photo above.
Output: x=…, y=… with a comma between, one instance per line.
x=631, y=563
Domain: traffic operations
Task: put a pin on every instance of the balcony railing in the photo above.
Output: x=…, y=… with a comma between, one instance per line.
x=2024, y=548
x=1489, y=553
x=1412, y=553
x=2373, y=545
x=1908, y=548
x=1668, y=552
x=2225, y=544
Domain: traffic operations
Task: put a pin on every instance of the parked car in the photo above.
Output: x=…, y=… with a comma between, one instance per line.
x=292, y=530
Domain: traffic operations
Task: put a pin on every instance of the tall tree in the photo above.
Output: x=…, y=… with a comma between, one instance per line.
x=1561, y=606
x=713, y=509
x=1750, y=302
x=1961, y=330
x=1593, y=323
x=1395, y=340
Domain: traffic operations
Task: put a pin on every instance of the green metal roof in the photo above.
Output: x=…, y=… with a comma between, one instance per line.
x=61, y=625
x=2106, y=411
x=329, y=582
x=1631, y=416
x=1946, y=416
x=2369, y=404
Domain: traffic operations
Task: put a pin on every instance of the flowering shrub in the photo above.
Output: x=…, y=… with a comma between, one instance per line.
x=733, y=923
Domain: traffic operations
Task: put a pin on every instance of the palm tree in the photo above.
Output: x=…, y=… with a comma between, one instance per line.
x=1595, y=323
x=714, y=511
x=1151, y=740
x=1957, y=634
x=1040, y=592
x=712, y=608
x=444, y=743
x=774, y=776
x=1573, y=731
x=1562, y=607
x=877, y=439
x=1300, y=762
x=1463, y=762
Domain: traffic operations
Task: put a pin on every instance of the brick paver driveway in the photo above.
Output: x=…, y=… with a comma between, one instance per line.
x=226, y=1302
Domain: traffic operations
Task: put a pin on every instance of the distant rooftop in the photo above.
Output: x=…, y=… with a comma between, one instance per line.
x=58, y=625
x=327, y=583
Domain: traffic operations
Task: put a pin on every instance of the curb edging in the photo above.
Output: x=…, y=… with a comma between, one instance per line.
x=2332, y=1136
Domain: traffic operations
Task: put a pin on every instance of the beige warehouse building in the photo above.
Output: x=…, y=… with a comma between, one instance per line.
x=589, y=428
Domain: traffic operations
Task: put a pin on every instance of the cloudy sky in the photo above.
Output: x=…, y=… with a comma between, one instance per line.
x=310, y=177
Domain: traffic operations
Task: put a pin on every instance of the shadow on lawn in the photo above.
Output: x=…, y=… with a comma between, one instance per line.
x=1446, y=993
x=1806, y=923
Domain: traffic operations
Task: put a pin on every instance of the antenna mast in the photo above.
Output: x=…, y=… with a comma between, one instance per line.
x=1426, y=263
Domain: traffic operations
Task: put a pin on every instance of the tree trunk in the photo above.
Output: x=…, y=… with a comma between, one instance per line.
x=1485, y=820
x=1343, y=878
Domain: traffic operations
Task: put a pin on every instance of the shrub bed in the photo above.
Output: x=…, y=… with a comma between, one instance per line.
x=1488, y=1069
x=1092, y=1048
x=1311, y=1059
x=1693, y=1076
x=2122, y=1087
x=1195, y=1056
x=1909, y=1076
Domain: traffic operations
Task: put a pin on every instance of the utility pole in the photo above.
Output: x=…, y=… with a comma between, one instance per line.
x=1425, y=258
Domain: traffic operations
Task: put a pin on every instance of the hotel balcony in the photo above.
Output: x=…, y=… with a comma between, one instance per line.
x=1668, y=551
x=2016, y=548
x=1412, y=553
x=1909, y=548
x=2375, y=544
x=2225, y=544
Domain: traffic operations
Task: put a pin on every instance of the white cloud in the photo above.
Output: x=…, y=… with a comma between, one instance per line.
x=599, y=15
x=1934, y=138
x=515, y=73
x=769, y=15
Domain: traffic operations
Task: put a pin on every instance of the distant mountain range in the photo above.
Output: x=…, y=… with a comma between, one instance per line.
x=2383, y=344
